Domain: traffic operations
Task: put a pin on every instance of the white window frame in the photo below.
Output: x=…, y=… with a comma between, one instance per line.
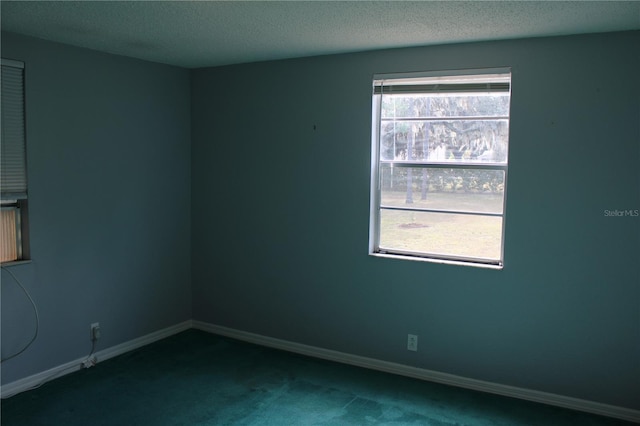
x=438, y=82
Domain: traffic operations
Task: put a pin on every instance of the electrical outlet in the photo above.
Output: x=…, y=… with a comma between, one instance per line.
x=412, y=342
x=95, y=331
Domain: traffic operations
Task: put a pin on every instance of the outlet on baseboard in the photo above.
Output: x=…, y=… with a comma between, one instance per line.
x=95, y=331
x=412, y=342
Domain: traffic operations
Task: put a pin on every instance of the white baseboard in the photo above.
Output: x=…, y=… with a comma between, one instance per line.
x=39, y=379
x=423, y=374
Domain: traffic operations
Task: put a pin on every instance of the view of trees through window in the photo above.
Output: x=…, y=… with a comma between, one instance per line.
x=441, y=171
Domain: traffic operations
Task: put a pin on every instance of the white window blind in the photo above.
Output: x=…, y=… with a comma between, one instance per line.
x=13, y=167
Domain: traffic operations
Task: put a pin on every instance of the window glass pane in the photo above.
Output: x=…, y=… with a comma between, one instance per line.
x=446, y=105
x=469, y=190
x=442, y=234
x=445, y=140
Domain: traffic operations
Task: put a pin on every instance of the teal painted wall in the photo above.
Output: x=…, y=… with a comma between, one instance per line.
x=280, y=218
x=108, y=142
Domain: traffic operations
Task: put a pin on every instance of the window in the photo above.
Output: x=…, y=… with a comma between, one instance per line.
x=439, y=165
x=13, y=166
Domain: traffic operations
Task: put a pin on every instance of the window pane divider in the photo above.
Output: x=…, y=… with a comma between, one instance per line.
x=445, y=165
x=426, y=210
x=453, y=118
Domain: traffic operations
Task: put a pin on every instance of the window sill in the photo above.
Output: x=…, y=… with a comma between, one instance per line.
x=12, y=263
x=435, y=260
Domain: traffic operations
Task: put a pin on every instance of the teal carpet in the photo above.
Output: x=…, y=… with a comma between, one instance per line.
x=195, y=378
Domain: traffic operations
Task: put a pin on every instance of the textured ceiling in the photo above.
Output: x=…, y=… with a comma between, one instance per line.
x=210, y=33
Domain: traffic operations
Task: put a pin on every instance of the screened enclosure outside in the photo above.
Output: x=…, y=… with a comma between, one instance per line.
x=439, y=166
